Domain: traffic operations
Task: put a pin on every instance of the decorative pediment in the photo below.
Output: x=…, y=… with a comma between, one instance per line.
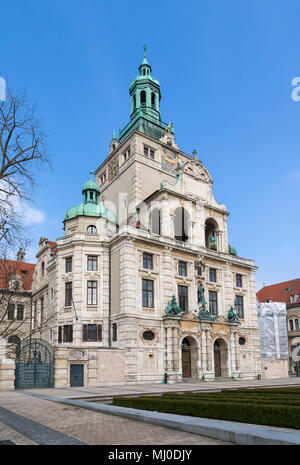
x=190, y=317
x=195, y=169
x=220, y=319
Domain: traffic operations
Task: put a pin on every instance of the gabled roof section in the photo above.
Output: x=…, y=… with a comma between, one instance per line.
x=10, y=268
x=280, y=292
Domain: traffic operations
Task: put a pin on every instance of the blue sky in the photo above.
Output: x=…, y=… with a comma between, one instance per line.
x=225, y=69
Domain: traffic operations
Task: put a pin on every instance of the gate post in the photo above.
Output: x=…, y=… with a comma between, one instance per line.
x=7, y=368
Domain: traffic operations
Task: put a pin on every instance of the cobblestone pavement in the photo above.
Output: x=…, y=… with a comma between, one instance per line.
x=88, y=426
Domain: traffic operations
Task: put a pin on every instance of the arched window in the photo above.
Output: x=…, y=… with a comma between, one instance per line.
x=153, y=99
x=291, y=325
x=211, y=228
x=181, y=224
x=155, y=221
x=296, y=324
x=43, y=268
x=91, y=229
x=134, y=102
x=143, y=98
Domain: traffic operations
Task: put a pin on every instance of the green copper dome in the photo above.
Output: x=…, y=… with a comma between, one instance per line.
x=90, y=185
x=90, y=205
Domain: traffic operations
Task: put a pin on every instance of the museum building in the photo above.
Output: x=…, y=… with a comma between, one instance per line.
x=144, y=286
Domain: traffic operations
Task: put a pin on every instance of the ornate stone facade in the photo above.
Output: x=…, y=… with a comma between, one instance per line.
x=154, y=233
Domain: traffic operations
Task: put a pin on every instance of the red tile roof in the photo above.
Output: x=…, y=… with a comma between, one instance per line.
x=9, y=268
x=279, y=292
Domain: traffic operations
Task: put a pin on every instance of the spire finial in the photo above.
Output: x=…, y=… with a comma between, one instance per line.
x=145, y=50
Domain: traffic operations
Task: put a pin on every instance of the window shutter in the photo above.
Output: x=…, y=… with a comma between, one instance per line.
x=84, y=332
x=99, y=333
x=59, y=334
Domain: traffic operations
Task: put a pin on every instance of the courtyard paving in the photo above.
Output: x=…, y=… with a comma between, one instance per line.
x=53, y=423
x=31, y=420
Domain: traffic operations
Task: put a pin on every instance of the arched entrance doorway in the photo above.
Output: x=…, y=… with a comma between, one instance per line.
x=220, y=358
x=189, y=358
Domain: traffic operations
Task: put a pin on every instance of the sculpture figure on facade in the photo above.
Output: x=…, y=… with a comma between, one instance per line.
x=173, y=309
x=203, y=312
x=213, y=242
x=232, y=316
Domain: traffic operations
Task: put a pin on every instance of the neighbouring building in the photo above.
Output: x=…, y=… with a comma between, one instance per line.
x=289, y=293
x=15, y=312
x=144, y=285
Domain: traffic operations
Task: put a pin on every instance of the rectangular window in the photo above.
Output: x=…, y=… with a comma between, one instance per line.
x=152, y=154
x=20, y=312
x=147, y=289
x=68, y=264
x=65, y=333
x=183, y=298
x=91, y=333
x=182, y=270
x=115, y=332
x=11, y=311
x=92, y=263
x=68, y=295
x=213, y=302
x=239, y=306
x=239, y=282
x=213, y=275
x=92, y=292
x=148, y=261
x=146, y=151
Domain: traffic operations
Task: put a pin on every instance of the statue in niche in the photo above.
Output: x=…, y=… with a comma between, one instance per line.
x=203, y=312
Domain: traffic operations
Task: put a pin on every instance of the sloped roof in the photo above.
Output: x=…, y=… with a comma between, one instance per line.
x=9, y=268
x=280, y=292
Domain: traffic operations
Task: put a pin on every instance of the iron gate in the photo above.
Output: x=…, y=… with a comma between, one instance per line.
x=34, y=365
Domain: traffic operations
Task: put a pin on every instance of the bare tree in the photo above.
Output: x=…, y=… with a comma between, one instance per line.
x=23, y=149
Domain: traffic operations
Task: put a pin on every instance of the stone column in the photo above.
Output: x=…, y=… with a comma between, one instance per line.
x=237, y=352
x=203, y=350
x=165, y=217
x=208, y=348
x=169, y=350
x=175, y=351
x=219, y=241
x=232, y=352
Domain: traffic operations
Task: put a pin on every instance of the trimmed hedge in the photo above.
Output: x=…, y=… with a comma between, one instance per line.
x=271, y=415
x=237, y=399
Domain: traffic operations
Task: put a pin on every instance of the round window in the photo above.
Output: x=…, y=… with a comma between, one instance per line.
x=242, y=341
x=148, y=335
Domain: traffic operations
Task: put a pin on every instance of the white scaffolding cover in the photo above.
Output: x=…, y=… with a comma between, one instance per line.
x=273, y=330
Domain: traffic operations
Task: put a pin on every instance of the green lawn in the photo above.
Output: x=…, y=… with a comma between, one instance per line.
x=273, y=407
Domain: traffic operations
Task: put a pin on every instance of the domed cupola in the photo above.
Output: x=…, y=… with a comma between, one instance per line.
x=90, y=205
x=90, y=191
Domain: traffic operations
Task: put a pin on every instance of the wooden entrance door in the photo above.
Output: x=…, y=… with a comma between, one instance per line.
x=217, y=358
x=186, y=363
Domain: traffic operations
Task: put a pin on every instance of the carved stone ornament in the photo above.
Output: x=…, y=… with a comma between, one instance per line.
x=190, y=317
x=195, y=169
x=77, y=354
x=220, y=319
